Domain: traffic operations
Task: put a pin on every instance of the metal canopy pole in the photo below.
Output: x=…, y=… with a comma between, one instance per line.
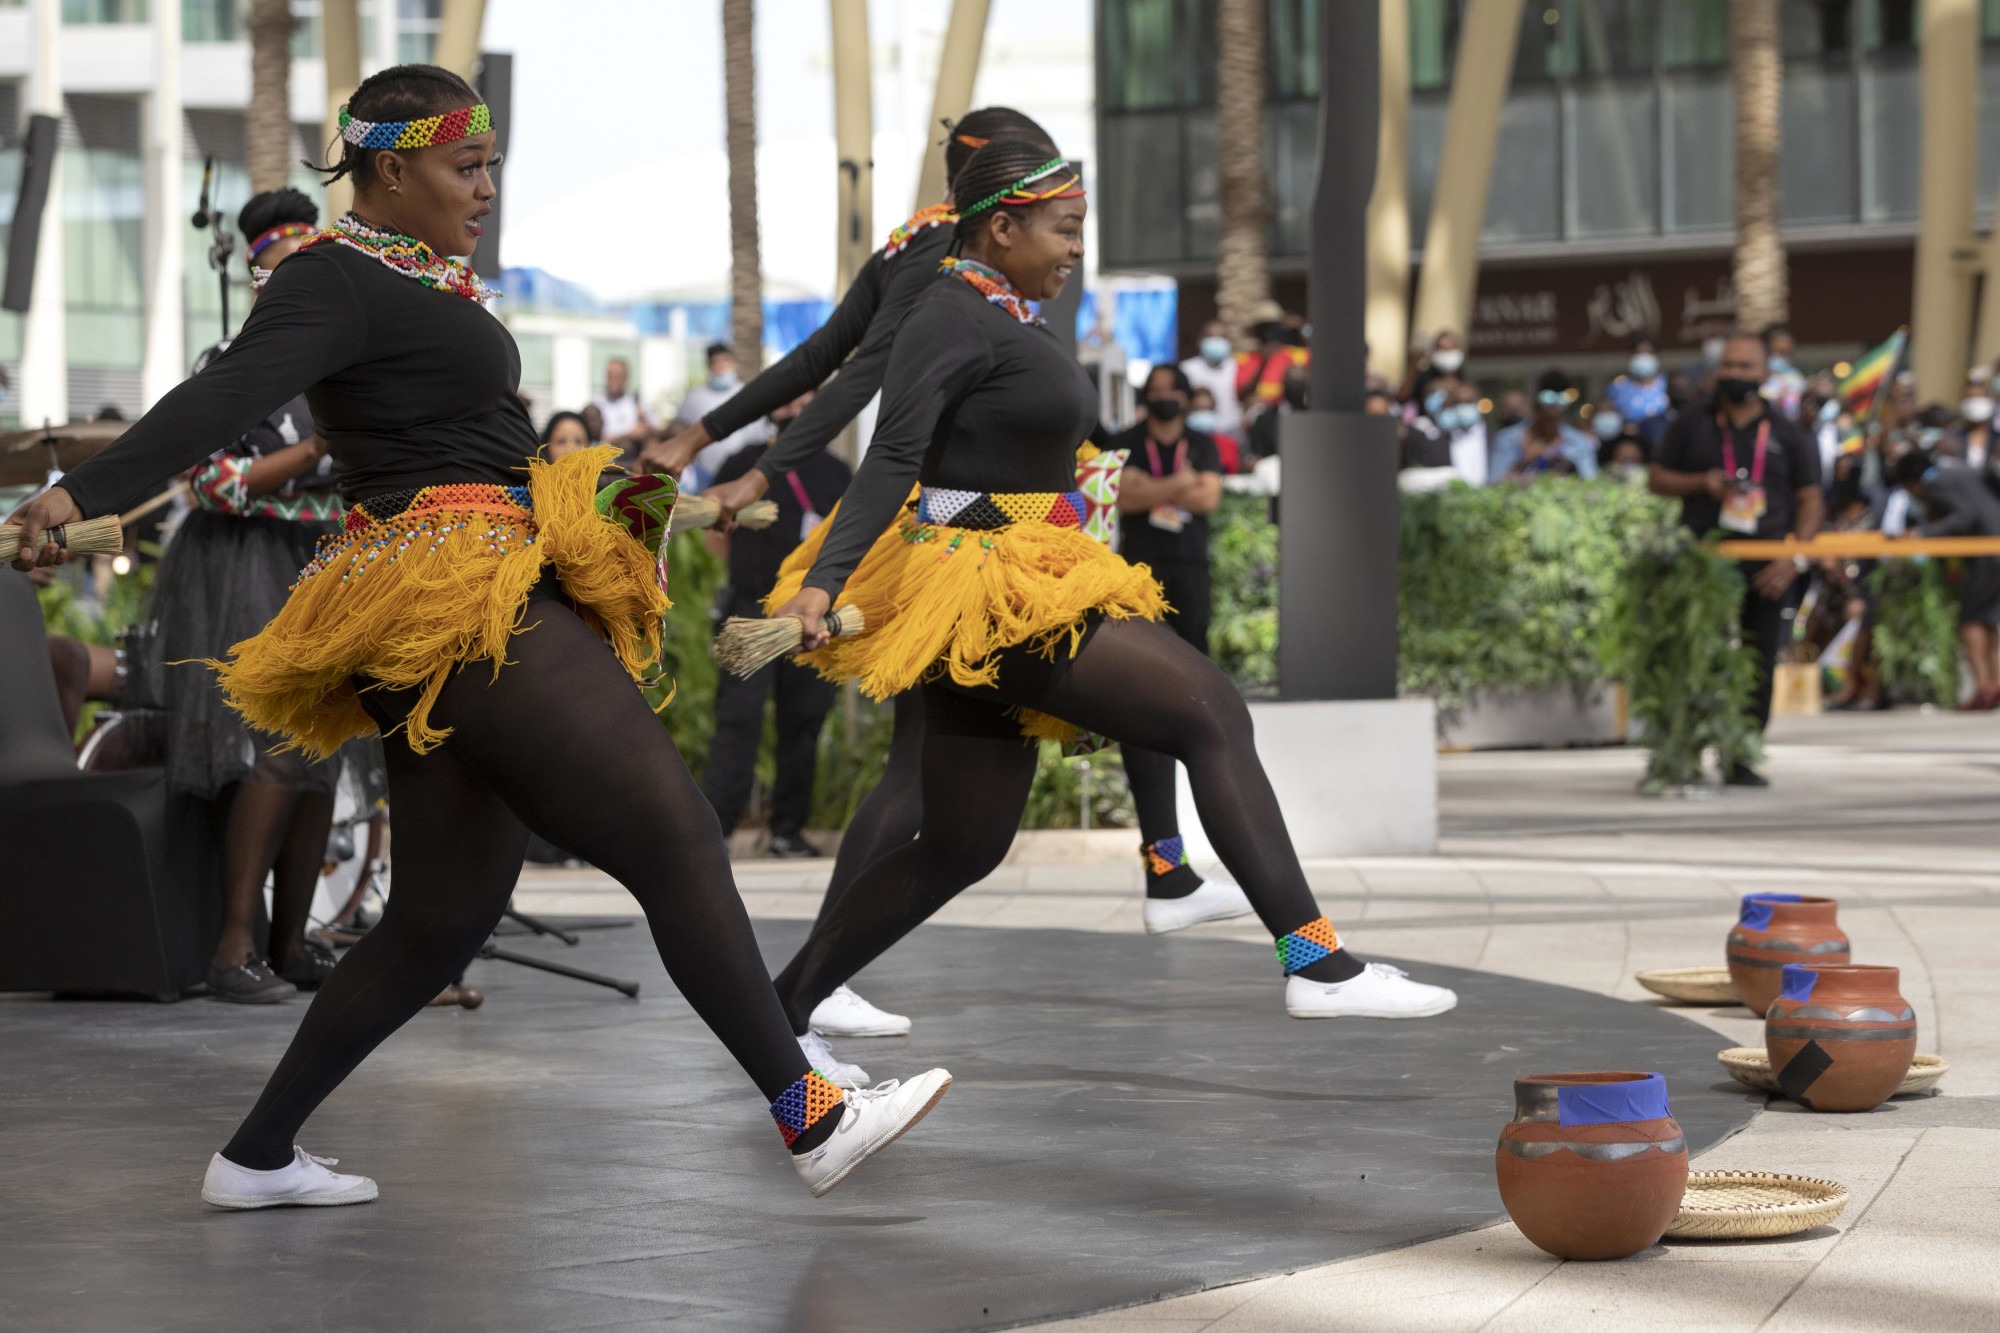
x=1339, y=520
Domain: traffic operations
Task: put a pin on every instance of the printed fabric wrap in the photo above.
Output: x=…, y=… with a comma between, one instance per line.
x=407, y=597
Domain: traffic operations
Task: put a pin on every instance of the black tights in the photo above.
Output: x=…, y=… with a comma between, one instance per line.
x=561, y=742
x=1135, y=682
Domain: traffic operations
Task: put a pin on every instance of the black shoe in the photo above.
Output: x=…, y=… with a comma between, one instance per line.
x=791, y=847
x=249, y=982
x=1742, y=775
x=311, y=968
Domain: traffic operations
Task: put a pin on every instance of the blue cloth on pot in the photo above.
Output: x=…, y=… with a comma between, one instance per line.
x=1757, y=907
x=1613, y=1103
x=1797, y=982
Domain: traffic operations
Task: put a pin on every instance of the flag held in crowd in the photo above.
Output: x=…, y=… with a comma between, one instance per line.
x=1863, y=385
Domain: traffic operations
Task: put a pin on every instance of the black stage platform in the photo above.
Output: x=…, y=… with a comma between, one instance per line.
x=1133, y=1118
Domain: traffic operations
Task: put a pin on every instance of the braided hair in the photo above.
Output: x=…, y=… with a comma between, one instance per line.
x=990, y=171
x=981, y=127
x=400, y=92
x=274, y=208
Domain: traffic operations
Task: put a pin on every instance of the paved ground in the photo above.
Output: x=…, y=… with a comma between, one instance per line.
x=1551, y=869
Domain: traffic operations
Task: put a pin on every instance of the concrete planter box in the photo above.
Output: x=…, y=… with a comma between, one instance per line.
x=1537, y=719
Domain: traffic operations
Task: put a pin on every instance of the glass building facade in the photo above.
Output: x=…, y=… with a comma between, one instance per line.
x=1617, y=134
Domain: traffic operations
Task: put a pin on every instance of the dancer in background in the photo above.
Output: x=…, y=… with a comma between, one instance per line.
x=855, y=341
x=262, y=503
x=489, y=623
x=993, y=602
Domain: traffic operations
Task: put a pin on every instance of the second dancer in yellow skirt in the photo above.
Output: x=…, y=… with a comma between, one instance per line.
x=989, y=598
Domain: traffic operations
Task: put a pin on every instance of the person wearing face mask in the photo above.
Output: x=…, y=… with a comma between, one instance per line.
x=1640, y=394
x=1465, y=428
x=1443, y=359
x=1213, y=369
x=1619, y=442
x=1172, y=483
x=1546, y=441
x=1260, y=375
x=1972, y=440
x=1785, y=385
x=721, y=385
x=1204, y=419
x=1739, y=466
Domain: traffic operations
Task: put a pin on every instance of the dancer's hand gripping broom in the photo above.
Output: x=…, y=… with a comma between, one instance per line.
x=748, y=643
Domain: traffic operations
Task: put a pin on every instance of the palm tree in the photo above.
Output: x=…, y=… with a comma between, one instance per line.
x=1243, y=274
x=1759, y=72
x=746, y=279
x=270, y=115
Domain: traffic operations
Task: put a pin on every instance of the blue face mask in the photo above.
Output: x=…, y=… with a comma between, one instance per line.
x=1643, y=366
x=1203, y=421
x=725, y=381
x=1215, y=350
x=1780, y=366
x=1434, y=403
x=1458, y=417
x=1607, y=425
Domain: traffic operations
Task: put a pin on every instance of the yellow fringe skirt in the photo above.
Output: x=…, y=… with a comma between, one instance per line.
x=418, y=585
x=944, y=601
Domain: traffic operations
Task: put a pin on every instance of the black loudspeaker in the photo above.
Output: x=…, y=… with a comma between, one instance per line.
x=38, y=164
x=496, y=86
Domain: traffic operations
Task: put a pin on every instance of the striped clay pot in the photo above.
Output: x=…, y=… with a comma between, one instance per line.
x=1840, y=1036
x=1592, y=1166
x=1778, y=928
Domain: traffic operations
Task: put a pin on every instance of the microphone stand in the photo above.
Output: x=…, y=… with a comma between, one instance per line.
x=223, y=247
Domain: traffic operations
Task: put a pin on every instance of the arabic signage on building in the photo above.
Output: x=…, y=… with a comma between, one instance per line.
x=1850, y=296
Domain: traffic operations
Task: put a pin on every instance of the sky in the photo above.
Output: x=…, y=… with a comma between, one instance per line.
x=616, y=174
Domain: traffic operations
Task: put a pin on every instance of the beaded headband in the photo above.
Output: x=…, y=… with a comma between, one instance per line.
x=284, y=231
x=422, y=133
x=1019, y=195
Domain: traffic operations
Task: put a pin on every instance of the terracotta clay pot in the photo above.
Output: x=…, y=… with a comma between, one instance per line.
x=1840, y=1036
x=1778, y=928
x=1592, y=1166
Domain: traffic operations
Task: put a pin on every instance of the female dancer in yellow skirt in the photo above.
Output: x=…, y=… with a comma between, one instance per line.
x=487, y=614
x=990, y=598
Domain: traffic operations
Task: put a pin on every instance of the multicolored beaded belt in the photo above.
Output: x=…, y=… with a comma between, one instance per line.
x=999, y=509
x=385, y=526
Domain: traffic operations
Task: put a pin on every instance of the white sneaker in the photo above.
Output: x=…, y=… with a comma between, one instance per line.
x=830, y=1066
x=1215, y=900
x=1381, y=991
x=845, y=1014
x=870, y=1121
x=304, y=1183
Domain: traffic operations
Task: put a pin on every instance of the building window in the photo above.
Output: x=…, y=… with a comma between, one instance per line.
x=1695, y=32
x=1294, y=39
x=213, y=20
x=1142, y=66
x=1568, y=39
x=417, y=25
x=85, y=12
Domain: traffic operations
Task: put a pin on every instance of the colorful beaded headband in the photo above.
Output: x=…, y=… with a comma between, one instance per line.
x=424, y=133
x=1019, y=195
x=284, y=231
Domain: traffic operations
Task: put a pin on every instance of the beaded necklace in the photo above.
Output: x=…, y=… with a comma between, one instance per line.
x=405, y=254
x=992, y=284
x=937, y=215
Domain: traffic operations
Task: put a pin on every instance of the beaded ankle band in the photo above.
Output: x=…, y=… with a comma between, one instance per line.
x=425, y=132
x=804, y=1105
x=1307, y=945
x=1165, y=856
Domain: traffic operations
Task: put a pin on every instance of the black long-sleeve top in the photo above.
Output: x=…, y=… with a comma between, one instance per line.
x=973, y=400
x=409, y=386
x=864, y=324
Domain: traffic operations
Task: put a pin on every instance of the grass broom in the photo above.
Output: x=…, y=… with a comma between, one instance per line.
x=698, y=511
x=747, y=644
x=88, y=536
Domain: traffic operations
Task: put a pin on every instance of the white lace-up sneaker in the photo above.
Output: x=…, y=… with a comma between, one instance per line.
x=845, y=1014
x=1381, y=991
x=1215, y=900
x=870, y=1121
x=830, y=1066
x=305, y=1182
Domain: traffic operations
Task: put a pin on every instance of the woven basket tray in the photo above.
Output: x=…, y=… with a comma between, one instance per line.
x=1751, y=1066
x=1746, y=1205
x=1690, y=985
